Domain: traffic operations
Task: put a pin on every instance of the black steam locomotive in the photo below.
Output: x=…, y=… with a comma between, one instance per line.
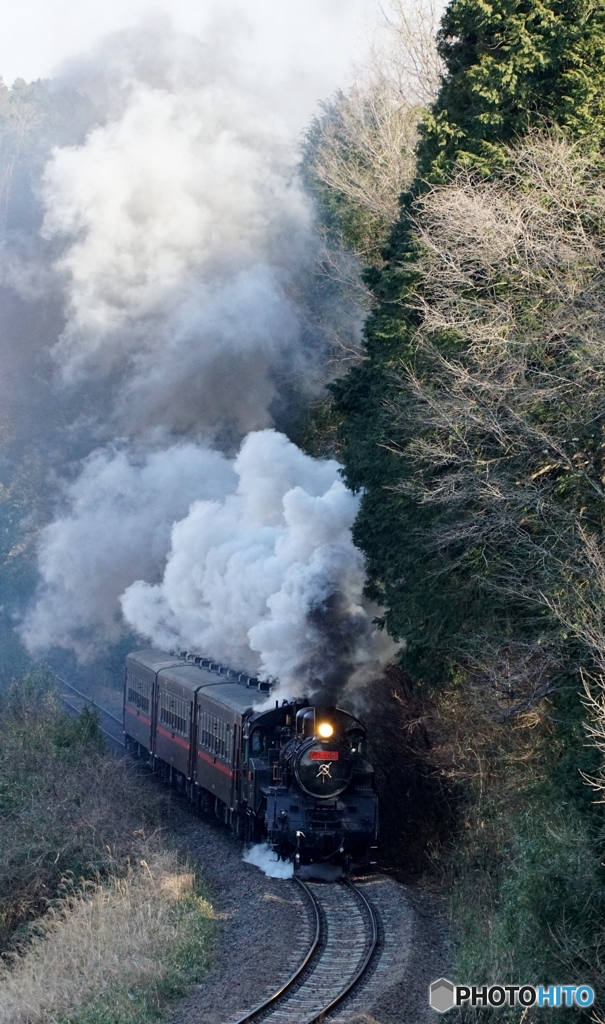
x=295, y=775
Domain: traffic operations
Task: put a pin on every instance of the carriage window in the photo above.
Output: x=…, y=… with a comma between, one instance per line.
x=205, y=734
x=215, y=735
x=173, y=712
x=138, y=693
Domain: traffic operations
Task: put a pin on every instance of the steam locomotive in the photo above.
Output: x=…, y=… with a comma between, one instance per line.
x=294, y=775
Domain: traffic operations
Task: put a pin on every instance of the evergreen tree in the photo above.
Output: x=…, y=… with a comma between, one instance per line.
x=510, y=66
x=513, y=65
x=476, y=429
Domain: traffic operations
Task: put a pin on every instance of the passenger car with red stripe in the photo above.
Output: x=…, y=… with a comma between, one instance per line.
x=295, y=774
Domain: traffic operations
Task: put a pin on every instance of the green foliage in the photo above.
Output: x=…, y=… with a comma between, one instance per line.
x=319, y=437
x=511, y=67
x=23, y=504
x=496, y=420
x=535, y=913
x=526, y=870
x=474, y=429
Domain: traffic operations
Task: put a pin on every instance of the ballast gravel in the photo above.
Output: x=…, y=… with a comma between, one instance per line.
x=263, y=931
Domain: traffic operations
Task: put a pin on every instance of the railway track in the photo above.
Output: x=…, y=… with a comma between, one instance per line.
x=115, y=726
x=343, y=947
x=343, y=931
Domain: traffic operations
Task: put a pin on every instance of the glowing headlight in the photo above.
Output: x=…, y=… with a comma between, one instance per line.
x=325, y=730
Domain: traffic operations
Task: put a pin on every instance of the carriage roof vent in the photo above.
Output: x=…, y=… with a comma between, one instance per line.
x=182, y=654
x=264, y=686
x=231, y=674
x=205, y=662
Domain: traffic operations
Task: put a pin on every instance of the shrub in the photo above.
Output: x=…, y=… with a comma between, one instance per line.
x=68, y=810
x=114, y=953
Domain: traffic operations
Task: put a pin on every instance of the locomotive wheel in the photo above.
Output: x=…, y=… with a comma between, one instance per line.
x=206, y=804
x=240, y=826
x=247, y=830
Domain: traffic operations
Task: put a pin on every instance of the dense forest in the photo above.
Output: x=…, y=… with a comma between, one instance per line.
x=473, y=425
x=458, y=191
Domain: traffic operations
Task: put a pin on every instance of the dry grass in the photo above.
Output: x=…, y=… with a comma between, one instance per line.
x=124, y=938
x=68, y=810
x=100, y=922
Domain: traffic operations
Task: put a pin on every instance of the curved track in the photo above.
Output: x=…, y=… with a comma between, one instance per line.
x=343, y=946
x=343, y=929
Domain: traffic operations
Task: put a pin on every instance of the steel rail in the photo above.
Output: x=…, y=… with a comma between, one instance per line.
x=268, y=1005
x=110, y=735
x=365, y=963
x=287, y=985
x=89, y=699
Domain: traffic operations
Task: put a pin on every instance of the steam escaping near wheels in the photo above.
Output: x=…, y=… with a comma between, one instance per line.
x=265, y=858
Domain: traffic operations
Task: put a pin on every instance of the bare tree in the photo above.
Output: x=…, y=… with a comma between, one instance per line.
x=500, y=411
x=360, y=155
x=407, y=53
x=362, y=150
x=364, y=153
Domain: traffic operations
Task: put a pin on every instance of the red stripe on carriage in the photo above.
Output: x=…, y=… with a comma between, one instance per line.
x=138, y=714
x=173, y=739
x=215, y=764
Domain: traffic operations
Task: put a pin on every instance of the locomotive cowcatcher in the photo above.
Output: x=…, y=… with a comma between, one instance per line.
x=295, y=775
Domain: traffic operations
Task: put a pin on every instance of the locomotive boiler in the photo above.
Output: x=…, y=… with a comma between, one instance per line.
x=295, y=775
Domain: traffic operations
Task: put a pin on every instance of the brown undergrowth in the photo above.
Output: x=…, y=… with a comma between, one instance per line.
x=100, y=920
x=112, y=952
x=478, y=797
x=67, y=809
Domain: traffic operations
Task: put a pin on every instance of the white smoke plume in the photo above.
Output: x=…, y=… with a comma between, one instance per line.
x=115, y=527
x=259, y=567
x=268, y=579
x=184, y=231
x=182, y=240
x=263, y=857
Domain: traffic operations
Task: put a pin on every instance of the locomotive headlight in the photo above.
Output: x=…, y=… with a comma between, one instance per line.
x=325, y=730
